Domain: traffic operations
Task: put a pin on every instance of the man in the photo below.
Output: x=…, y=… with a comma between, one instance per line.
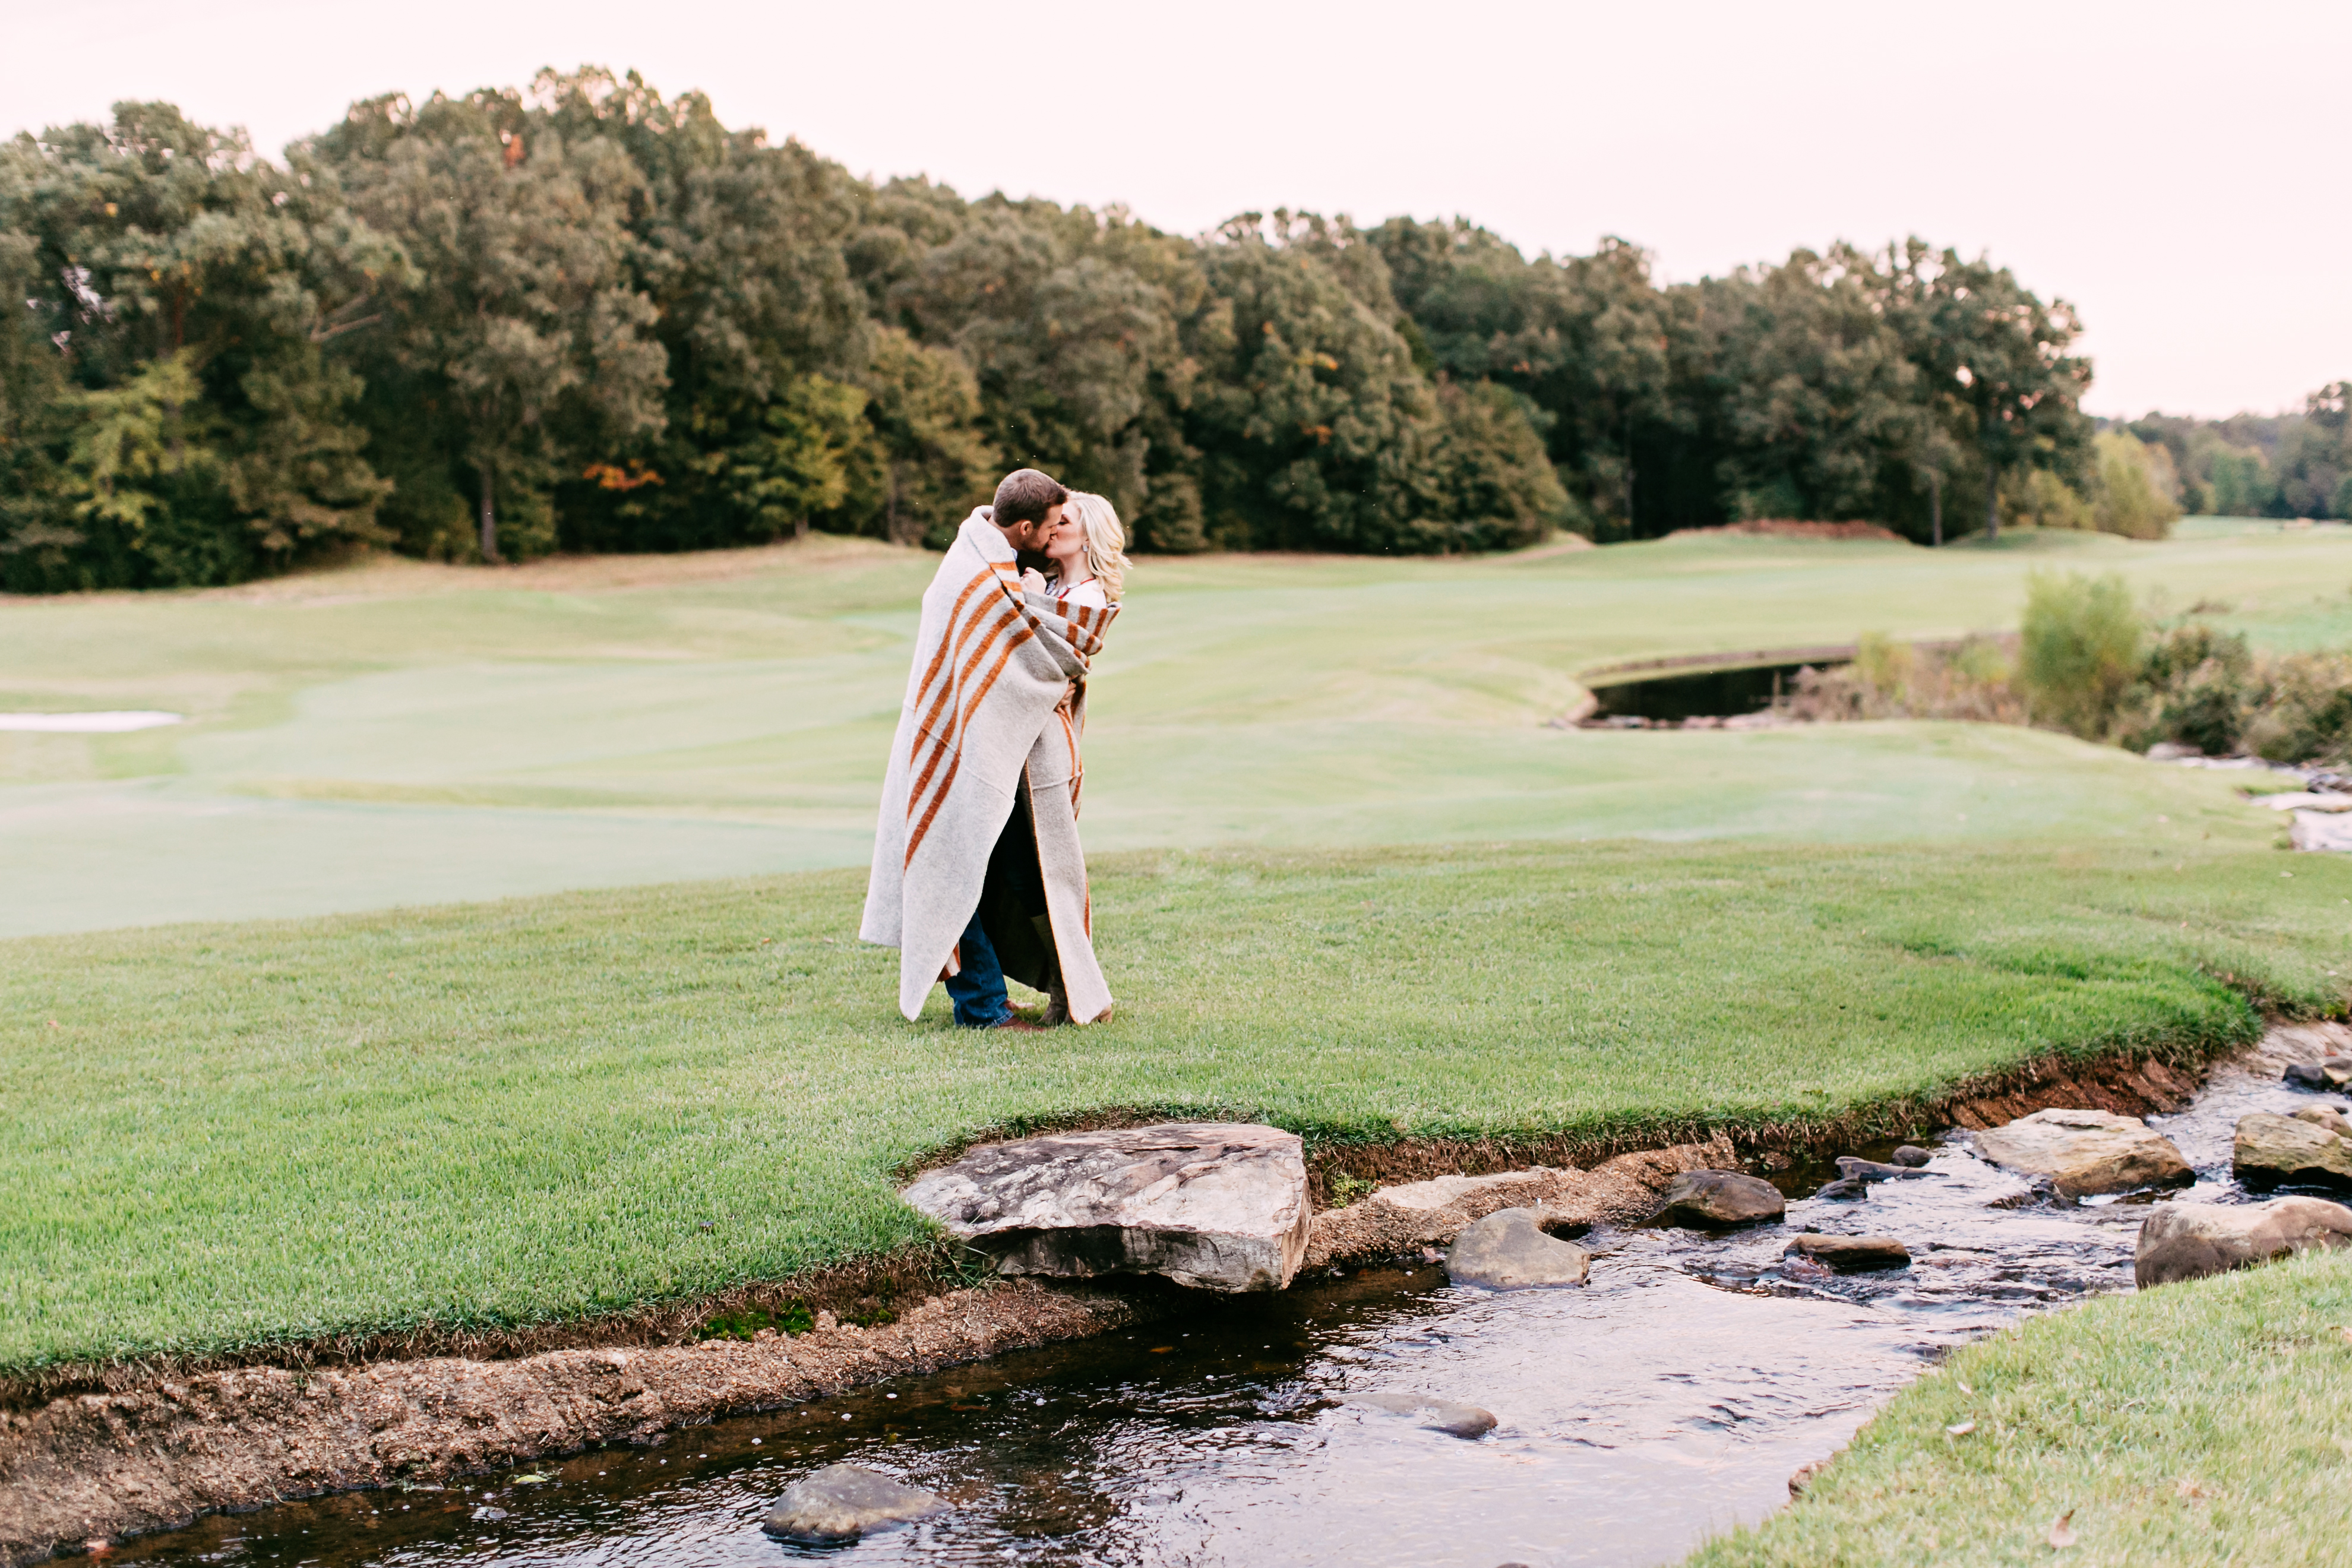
x=977, y=871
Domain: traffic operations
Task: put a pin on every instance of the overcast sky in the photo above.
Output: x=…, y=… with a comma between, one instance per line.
x=2175, y=171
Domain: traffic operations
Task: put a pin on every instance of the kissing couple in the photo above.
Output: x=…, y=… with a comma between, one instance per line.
x=977, y=872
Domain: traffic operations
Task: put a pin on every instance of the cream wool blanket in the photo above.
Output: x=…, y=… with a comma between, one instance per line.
x=996, y=709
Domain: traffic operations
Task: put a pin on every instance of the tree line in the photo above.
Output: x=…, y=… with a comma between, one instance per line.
x=584, y=316
x=2257, y=465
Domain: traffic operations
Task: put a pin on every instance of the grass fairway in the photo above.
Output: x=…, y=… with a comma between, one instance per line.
x=490, y=1114
x=2194, y=1424
x=404, y=733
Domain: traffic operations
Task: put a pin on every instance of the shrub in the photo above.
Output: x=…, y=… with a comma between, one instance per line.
x=2079, y=650
x=2200, y=684
x=2304, y=711
x=2133, y=490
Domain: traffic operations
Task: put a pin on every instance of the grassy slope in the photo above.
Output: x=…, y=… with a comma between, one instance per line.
x=400, y=733
x=2196, y=1424
x=508, y=1111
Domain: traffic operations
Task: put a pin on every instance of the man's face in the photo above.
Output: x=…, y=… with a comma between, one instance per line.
x=1034, y=536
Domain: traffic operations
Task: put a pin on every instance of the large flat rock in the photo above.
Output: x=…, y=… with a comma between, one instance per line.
x=2085, y=1151
x=1216, y=1205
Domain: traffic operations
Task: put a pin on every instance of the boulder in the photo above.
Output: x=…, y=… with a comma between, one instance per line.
x=1851, y=1254
x=2189, y=1241
x=1912, y=1156
x=1508, y=1251
x=1854, y=1170
x=1455, y=1420
x=2332, y=1074
x=2326, y=1116
x=839, y=1503
x=1716, y=1198
x=2270, y=1149
x=1216, y=1205
x=2085, y=1151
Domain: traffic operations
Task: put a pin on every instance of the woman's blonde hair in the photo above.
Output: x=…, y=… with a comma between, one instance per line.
x=1105, y=540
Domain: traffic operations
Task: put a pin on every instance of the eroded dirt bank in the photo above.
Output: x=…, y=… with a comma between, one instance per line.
x=101, y=1464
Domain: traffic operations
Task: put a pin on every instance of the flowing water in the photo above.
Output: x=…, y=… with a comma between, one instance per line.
x=1669, y=1399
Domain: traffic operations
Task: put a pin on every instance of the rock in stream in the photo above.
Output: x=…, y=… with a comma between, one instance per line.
x=1507, y=1250
x=2268, y=1150
x=1719, y=1198
x=1215, y=1206
x=1852, y=1254
x=2086, y=1151
x=2190, y=1241
x=839, y=1503
x=1449, y=1416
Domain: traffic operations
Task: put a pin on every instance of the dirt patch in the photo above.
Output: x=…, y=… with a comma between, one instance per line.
x=1789, y=528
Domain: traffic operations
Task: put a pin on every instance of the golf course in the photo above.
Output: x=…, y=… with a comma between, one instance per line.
x=480, y=950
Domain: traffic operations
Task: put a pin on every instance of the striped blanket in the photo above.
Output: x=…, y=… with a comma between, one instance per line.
x=994, y=713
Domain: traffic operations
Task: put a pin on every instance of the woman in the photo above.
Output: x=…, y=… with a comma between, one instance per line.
x=1087, y=554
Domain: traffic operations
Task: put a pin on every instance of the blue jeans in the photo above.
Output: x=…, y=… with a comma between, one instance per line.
x=978, y=988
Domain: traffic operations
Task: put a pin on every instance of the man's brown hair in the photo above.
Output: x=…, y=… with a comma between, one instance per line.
x=1026, y=496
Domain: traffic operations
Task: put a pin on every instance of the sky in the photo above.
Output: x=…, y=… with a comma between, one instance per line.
x=2174, y=170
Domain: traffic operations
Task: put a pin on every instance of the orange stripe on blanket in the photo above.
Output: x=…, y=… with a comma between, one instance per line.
x=952, y=744
x=914, y=839
x=945, y=643
x=958, y=637
x=926, y=728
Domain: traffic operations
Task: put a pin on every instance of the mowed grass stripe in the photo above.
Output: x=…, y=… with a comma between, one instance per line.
x=500, y=1113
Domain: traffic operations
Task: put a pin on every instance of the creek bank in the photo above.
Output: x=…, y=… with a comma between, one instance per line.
x=106, y=1463
x=102, y=1466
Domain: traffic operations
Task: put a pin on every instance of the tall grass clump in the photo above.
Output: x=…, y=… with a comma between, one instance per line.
x=2079, y=650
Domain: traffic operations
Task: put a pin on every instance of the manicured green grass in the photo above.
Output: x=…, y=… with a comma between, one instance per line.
x=2196, y=1423
x=504, y=1112
x=398, y=732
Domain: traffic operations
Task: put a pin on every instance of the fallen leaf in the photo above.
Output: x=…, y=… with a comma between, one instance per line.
x=1161, y=1350
x=1960, y=1428
x=532, y=1480
x=2062, y=1533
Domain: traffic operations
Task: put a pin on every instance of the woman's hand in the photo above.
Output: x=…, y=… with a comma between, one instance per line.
x=1032, y=580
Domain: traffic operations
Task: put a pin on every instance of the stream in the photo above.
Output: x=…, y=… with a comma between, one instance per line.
x=1666, y=1401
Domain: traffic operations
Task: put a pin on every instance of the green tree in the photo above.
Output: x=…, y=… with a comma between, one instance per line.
x=1992, y=347
x=521, y=341
x=168, y=267
x=741, y=246
x=930, y=463
x=800, y=460
x=2134, y=487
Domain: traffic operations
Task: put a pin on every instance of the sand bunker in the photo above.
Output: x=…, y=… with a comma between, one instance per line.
x=114, y=722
